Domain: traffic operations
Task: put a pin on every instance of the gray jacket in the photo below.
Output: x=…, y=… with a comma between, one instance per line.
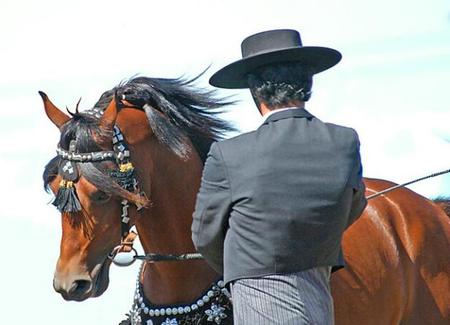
x=277, y=200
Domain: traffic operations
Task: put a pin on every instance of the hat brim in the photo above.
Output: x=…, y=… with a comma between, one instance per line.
x=315, y=58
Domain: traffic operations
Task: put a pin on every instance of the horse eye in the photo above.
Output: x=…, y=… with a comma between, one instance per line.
x=100, y=196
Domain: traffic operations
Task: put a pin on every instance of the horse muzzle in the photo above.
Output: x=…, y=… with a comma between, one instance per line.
x=80, y=286
x=73, y=287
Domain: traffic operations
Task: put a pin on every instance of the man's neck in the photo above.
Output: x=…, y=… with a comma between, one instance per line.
x=265, y=109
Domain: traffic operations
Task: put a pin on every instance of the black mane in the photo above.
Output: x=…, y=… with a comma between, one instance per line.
x=187, y=111
x=175, y=110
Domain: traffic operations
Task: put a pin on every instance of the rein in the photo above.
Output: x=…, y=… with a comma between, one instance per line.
x=127, y=260
x=124, y=259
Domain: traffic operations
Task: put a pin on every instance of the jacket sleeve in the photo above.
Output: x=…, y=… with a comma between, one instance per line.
x=210, y=218
x=359, y=200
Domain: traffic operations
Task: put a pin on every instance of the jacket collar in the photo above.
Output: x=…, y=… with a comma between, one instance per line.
x=289, y=113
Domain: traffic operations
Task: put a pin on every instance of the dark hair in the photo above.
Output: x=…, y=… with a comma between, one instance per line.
x=281, y=83
x=175, y=109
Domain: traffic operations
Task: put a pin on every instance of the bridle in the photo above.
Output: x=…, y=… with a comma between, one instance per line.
x=66, y=199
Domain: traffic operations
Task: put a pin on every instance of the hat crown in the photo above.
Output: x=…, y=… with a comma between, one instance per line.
x=273, y=47
x=269, y=41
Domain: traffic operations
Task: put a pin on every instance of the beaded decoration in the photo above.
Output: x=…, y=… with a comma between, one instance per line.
x=213, y=307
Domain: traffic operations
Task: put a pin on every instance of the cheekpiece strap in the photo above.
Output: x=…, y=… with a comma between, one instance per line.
x=125, y=177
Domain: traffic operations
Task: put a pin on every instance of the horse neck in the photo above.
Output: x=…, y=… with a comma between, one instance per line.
x=171, y=184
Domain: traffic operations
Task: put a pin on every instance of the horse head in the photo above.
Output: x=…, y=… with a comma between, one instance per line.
x=89, y=198
x=143, y=139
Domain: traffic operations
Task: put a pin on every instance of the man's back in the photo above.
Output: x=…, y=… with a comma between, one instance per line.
x=273, y=204
x=290, y=193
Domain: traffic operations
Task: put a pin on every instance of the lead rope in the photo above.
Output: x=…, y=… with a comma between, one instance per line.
x=407, y=183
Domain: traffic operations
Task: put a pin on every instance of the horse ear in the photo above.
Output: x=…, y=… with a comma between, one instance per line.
x=109, y=117
x=54, y=113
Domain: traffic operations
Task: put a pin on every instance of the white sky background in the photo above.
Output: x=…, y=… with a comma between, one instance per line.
x=391, y=86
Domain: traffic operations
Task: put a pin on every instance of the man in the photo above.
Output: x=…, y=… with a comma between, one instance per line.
x=274, y=203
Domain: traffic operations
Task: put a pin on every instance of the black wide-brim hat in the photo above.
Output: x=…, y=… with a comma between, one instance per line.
x=273, y=46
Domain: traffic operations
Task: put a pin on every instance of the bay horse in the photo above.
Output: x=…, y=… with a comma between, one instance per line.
x=397, y=252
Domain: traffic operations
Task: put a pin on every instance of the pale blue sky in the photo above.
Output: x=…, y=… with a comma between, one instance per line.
x=391, y=86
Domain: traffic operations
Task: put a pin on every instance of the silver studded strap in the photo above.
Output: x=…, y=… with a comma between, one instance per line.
x=121, y=154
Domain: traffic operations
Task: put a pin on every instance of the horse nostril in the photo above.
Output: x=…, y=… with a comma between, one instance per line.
x=79, y=287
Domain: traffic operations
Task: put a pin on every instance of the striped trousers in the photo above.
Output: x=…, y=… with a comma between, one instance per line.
x=289, y=299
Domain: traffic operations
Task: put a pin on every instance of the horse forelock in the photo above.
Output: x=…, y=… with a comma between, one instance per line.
x=81, y=128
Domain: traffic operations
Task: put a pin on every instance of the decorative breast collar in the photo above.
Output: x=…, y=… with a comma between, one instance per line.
x=213, y=307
